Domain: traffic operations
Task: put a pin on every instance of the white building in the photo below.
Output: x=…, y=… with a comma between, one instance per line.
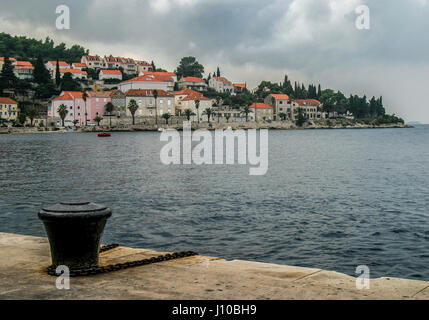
x=221, y=84
x=110, y=74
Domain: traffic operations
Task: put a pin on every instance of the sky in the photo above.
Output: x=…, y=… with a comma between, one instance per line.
x=312, y=41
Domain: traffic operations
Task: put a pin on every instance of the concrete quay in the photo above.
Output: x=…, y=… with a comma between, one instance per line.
x=24, y=258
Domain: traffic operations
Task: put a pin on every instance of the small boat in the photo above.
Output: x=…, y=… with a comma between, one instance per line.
x=104, y=134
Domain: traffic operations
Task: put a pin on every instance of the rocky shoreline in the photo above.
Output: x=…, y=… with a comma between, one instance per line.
x=211, y=126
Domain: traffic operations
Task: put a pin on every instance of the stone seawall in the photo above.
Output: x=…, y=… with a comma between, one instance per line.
x=212, y=126
x=24, y=258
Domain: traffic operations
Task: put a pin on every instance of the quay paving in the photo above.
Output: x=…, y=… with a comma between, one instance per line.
x=24, y=258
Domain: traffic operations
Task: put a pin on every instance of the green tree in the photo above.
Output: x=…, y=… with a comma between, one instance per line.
x=282, y=116
x=75, y=122
x=197, y=106
x=41, y=75
x=246, y=111
x=69, y=84
x=132, y=106
x=301, y=118
x=155, y=95
x=62, y=112
x=98, y=120
x=166, y=116
x=218, y=72
x=109, y=107
x=57, y=74
x=227, y=116
x=8, y=79
x=209, y=113
x=32, y=113
x=189, y=67
x=84, y=97
x=22, y=117
x=188, y=114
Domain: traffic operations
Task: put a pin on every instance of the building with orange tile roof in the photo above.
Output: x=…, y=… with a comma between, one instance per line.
x=187, y=99
x=147, y=106
x=280, y=102
x=110, y=74
x=193, y=83
x=221, y=84
x=263, y=111
x=148, y=82
x=8, y=109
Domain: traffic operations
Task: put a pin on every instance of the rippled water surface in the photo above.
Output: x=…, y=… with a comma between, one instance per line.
x=331, y=199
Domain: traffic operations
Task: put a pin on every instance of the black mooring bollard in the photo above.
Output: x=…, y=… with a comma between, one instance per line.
x=74, y=231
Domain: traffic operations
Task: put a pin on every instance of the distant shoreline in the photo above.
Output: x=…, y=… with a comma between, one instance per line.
x=212, y=126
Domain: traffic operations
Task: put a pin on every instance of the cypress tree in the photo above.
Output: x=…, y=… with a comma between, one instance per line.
x=57, y=74
x=218, y=72
x=41, y=75
x=7, y=76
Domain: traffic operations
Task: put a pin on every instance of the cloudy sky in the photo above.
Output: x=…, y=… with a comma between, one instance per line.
x=253, y=40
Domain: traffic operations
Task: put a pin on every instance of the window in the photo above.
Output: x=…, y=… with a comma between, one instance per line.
x=71, y=108
x=96, y=113
x=105, y=99
x=71, y=114
x=78, y=114
x=169, y=102
x=78, y=108
x=97, y=99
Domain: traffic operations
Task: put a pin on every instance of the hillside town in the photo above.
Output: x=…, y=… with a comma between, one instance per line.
x=119, y=91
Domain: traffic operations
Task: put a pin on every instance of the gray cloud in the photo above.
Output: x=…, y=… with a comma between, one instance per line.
x=311, y=40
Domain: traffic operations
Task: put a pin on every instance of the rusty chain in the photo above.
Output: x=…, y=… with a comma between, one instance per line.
x=51, y=270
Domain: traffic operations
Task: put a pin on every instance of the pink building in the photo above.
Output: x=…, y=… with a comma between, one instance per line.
x=95, y=103
x=75, y=106
x=78, y=109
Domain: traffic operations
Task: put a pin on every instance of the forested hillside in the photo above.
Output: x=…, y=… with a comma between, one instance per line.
x=23, y=48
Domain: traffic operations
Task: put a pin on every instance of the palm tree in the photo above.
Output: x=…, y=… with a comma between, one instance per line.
x=109, y=107
x=208, y=112
x=246, y=111
x=197, y=106
x=166, y=116
x=155, y=95
x=98, y=119
x=62, y=111
x=189, y=113
x=84, y=96
x=227, y=116
x=75, y=122
x=132, y=106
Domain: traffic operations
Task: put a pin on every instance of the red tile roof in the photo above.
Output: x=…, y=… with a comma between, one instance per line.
x=24, y=63
x=149, y=78
x=78, y=65
x=193, y=79
x=224, y=80
x=73, y=71
x=10, y=59
x=186, y=91
x=240, y=85
x=308, y=102
x=191, y=95
x=280, y=96
x=69, y=95
x=7, y=100
x=260, y=105
x=92, y=58
x=118, y=72
x=61, y=63
x=99, y=94
x=146, y=93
